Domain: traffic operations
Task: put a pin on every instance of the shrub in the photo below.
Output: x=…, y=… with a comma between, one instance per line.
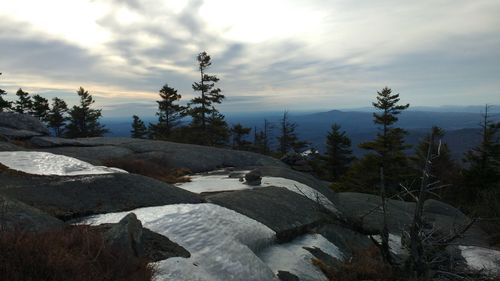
x=73, y=253
x=150, y=169
x=363, y=265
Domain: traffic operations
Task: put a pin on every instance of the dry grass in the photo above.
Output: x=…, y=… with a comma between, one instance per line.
x=70, y=254
x=363, y=265
x=150, y=169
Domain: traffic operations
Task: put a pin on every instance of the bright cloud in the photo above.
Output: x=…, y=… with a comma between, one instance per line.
x=296, y=54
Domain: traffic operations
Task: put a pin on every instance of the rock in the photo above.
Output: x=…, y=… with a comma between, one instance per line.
x=126, y=235
x=254, y=177
x=177, y=155
x=76, y=196
x=348, y=241
x=5, y=146
x=287, y=276
x=47, y=142
x=15, y=215
x=130, y=236
x=284, y=211
x=22, y=122
x=95, y=155
x=307, y=179
x=18, y=134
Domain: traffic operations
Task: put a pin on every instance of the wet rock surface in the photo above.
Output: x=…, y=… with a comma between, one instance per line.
x=286, y=212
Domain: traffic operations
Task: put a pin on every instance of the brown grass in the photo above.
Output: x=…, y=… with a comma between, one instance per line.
x=150, y=169
x=70, y=254
x=363, y=265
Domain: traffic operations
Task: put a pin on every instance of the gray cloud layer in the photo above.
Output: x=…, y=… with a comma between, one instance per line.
x=432, y=52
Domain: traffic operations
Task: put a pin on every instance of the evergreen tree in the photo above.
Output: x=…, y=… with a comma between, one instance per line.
x=261, y=141
x=238, y=133
x=40, y=108
x=443, y=168
x=389, y=145
x=23, y=104
x=338, y=152
x=288, y=139
x=169, y=113
x=4, y=105
x=57, y=116
x=204, y=116
x=84, y=121
x=483, y=161
x=139, y=130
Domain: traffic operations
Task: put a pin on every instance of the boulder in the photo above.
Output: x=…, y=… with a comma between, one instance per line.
x=15, y=215
x=287, y=213
x=126, y=235
x=136, y=241
x=22, y=122
x=254, y=178
x=76, y=196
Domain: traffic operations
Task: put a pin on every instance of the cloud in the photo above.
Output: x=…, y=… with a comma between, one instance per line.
x=268, y=54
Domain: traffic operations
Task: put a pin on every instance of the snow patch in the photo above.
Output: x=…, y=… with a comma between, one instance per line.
x=479, y=258
x=221, y=242
x=220, y=181
x=395, y=245
x=292, y=256
x=45, y=163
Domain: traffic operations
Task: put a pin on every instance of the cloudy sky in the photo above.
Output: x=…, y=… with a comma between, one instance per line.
x=269, y=54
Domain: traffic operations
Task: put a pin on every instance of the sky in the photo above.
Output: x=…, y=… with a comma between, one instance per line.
x=299, y=55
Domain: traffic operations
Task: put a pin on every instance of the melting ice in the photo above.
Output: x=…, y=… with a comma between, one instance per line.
x=45, y=163
x=224, y=244
x=222, y=182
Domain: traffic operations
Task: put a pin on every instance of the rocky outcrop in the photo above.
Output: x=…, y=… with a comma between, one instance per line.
x=284, y=211
x=15, y=215
x=15, y=125
x=347, y=240
x=132, y=239
x=76, y=196
x=253, y=177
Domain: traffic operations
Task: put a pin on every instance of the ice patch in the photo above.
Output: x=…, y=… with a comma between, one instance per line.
x=479, y=258
x=221, y=242
x=395, y=245
x=219, y=181
x=292, y=257
x=45, y=163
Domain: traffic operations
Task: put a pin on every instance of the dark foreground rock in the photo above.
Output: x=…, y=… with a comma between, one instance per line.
x=22, y=122
x=284, y=211
x=15, y=215
x=76, y=196
x=129, y=236
x=287, y=276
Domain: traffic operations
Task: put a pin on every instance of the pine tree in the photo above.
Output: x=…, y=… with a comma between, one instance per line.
x=40, y=108
x=4, y=105
x=288, y=139
x=169, y=113
x=338, y=152
x=443, y=169
x=57, y=116
x=389, y=145
x=261, y=141
x=238, y=133
x=204, y=116
x=139, y=130
x=84, y=121
x=483, y=161
x=23, y=104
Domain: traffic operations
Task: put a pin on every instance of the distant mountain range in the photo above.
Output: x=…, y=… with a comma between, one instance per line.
x=462, y=128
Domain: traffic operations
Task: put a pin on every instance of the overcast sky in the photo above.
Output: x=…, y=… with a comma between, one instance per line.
x=269, y=54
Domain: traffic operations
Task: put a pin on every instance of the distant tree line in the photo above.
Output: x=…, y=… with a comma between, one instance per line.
x=79, y=121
